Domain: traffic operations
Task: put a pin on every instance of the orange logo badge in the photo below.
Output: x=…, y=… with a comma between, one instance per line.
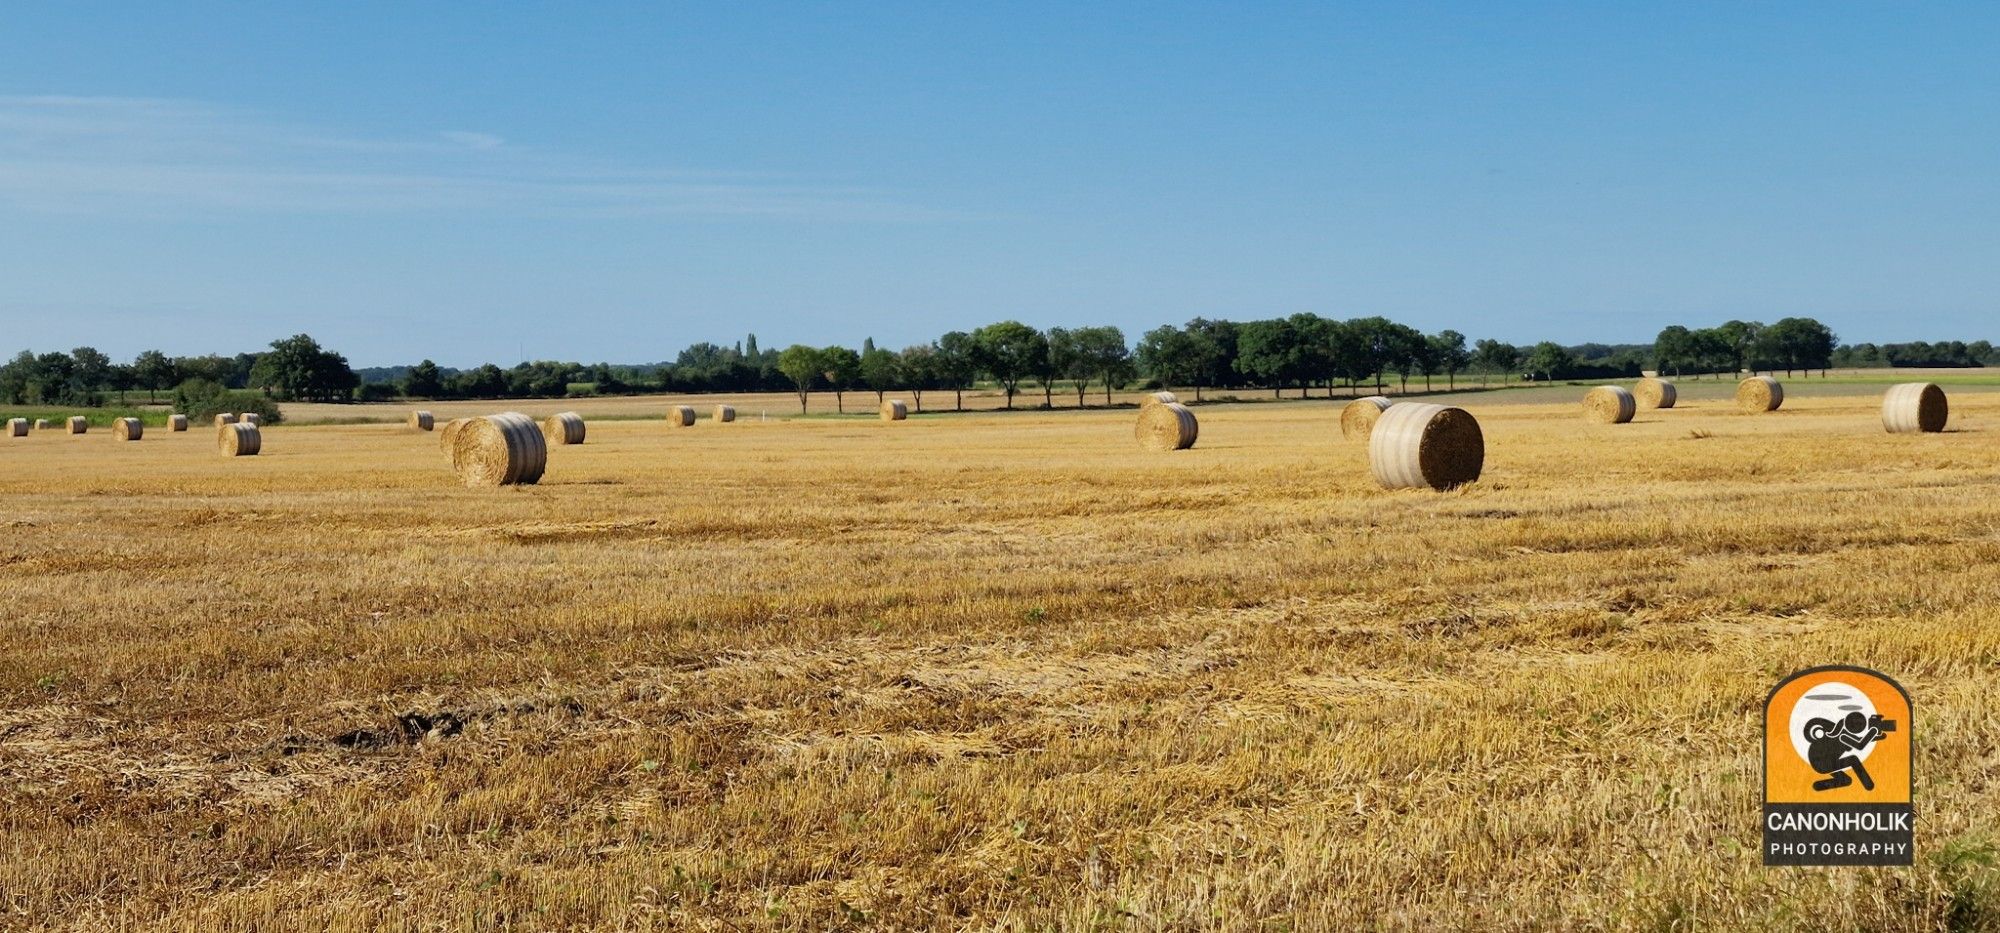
x=1838, y=747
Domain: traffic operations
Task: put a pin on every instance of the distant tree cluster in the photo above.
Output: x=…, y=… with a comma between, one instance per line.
x=1791, y=344
x=1944, y=353
x=1302, y=352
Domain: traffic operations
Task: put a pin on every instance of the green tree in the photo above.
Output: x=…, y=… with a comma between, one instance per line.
x=957, y=364
x=1317, y=338
x=881, y=370
x=921, y=370
x=1549, y=359
x=1672, y=349
x=298, y=367
x=1169, y=356
x=1449, y=353
x=1403, y=349
x=803, y=365
x=424, y=380
x=1101, y=354
x=1269, y=352
x=1215, y=348
x=154, y=371
x=1494, y=356
x=842, y=371
x=1009, y=351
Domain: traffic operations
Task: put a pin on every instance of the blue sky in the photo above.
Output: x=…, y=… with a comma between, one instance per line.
x=604, y=182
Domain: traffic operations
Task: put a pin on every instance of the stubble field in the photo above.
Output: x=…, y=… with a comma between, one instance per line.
x=984, y=671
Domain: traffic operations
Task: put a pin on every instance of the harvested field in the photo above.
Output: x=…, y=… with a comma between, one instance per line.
x=985, y=670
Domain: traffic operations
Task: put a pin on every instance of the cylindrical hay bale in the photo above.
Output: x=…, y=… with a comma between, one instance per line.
x=1157, y=398
x=224, y=418
x=565, y=428
x=725, y=413
x=251, y=418
x=500, y=450
x=43, y=424
x=1358, y=417
x=241, y=439
x=1417, y=445
x=128, y=429
x=1759, y=394
x=449, y=434
x=895, y=410
x=422, y=421
x=681, y=416
x=1609, y=405
x=1166, y=426
x=177, y=423
x=78, y=424
x=17, y=427
x=1914, y=408
x=1655, y=393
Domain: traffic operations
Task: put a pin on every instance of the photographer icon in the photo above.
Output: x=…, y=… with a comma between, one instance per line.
x=1833, y=747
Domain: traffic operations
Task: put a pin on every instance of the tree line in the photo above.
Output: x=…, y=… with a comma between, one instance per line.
x=1301, y=352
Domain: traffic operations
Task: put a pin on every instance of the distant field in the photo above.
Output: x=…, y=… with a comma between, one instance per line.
x=982, y=671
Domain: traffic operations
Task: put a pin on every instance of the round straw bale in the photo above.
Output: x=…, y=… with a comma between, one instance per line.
x=128, y=429
x=17, y=427
x=1166, y=426
x=680, y=416
x=1759, y=394
x=1609, y=405
x=251, y=417
x=1655, y=393
x=241, y=439
x=422, y=421
x=78, y=424
x=1358, y=417
x=725, y=414
x=1419, y=445
x=500, y=450
x=43, y=424
x=895, y=410
x=565, y=428
x=450, y=432
x=224, y=418
x=1156, y=398
x=1914, y=407
x=177, y=422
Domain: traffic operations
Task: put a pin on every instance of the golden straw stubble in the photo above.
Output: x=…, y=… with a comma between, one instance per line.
x=1167, y=426
x=1419, y=445
x=506, y=449
x=1759, y=394
x=1357, y=418
x=1609, y=405
x=1655, y=393
x=1914, y=408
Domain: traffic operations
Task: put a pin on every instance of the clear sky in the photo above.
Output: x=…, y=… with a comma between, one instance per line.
x=474, y=182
